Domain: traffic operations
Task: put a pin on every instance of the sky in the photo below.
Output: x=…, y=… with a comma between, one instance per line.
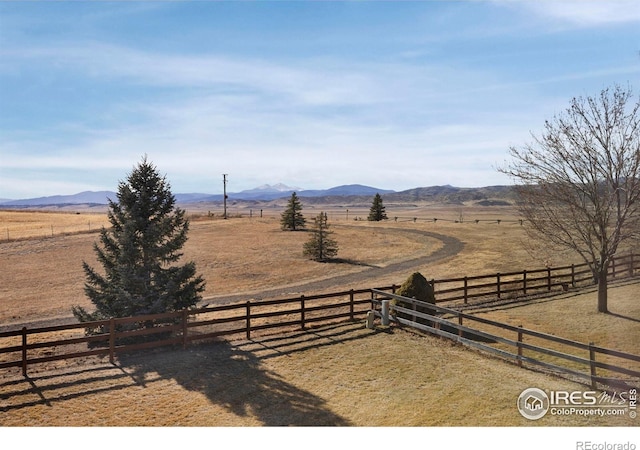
x=312, y=94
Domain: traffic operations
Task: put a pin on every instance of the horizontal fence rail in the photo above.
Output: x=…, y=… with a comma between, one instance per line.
x=508, y=341
x=117, y=335
x=523, y=283
x=27, y=346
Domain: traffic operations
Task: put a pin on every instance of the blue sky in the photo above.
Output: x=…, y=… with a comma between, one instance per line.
x=313, y=94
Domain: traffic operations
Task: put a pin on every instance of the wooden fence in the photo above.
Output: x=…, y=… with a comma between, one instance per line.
x=23, y=347
x=510, y=342
x=523, y=283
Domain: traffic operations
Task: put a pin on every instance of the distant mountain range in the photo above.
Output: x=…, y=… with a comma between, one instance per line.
x=492, y=195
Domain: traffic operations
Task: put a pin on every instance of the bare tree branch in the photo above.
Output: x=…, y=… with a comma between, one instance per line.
x=578, y=182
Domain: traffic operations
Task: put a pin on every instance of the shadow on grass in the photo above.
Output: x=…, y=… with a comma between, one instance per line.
x=230, y=374
x=622, y=316
x=55, y=387
x=313, y=338
x=350, y=262
x=234, y=379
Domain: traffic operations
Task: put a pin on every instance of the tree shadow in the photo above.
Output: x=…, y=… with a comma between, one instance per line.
x=236, y=380
x=351, y=262
x=230, y=374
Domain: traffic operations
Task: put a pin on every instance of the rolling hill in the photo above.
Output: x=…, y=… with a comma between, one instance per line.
x=352, y=193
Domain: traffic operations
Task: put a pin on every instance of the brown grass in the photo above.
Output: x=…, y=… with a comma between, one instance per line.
x=333, y=375
x=573, y=315
x=16, y=225
x=43, y=277
x=340, y=375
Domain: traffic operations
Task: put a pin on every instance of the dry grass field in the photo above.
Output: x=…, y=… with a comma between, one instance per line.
x=42, y=277
x=37, y=224
x=338, y=375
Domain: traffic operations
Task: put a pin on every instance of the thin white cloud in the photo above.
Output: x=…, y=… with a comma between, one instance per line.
x=278, y=121
x=582, y=13
x=312, y=82
x=413, y=116
x=306, y=153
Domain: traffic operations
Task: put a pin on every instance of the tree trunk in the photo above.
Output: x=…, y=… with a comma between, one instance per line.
x=602, y=289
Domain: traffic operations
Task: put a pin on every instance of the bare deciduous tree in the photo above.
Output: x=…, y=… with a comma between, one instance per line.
x=579, y=180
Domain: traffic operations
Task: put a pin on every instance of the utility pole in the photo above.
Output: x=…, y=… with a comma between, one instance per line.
x=224, y=182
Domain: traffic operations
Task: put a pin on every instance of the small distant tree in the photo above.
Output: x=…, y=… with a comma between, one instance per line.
x=377, y=211
x=292, y=218
x=139, y=253
x=321, y=246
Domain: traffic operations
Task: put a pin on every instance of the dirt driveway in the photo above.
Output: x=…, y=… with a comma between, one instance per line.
x=451, y=246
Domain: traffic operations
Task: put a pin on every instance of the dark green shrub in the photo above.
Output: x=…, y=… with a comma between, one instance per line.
x=417, y=287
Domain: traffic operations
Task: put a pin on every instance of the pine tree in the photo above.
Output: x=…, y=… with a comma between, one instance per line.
x=292, y=218
x=377, y=211
x=321, y=246
x=139, y=253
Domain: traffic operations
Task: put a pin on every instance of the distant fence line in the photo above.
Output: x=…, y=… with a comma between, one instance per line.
x=23, y=347
x=356, y=215
x=8, y=234
x=17, y=233
x=46, y=230
x=526, y=282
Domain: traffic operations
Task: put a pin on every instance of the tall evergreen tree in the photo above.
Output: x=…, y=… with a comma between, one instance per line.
x=377, y=211
x=292, y=218
x=321, y=246
x=139, y=253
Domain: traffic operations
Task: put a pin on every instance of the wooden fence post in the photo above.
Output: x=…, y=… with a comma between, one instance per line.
x=414, y=307
x=24, y=351
x=548, y=278
x=498, y=284
x=466, y=290
x=351, y=304
x=592, y=364
x=459, y=323
x=302, y=311
x=524, y=282
x=613, y=267
x=185, y=329
x=248, y=308
x=112, y=339
x=519, y=345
